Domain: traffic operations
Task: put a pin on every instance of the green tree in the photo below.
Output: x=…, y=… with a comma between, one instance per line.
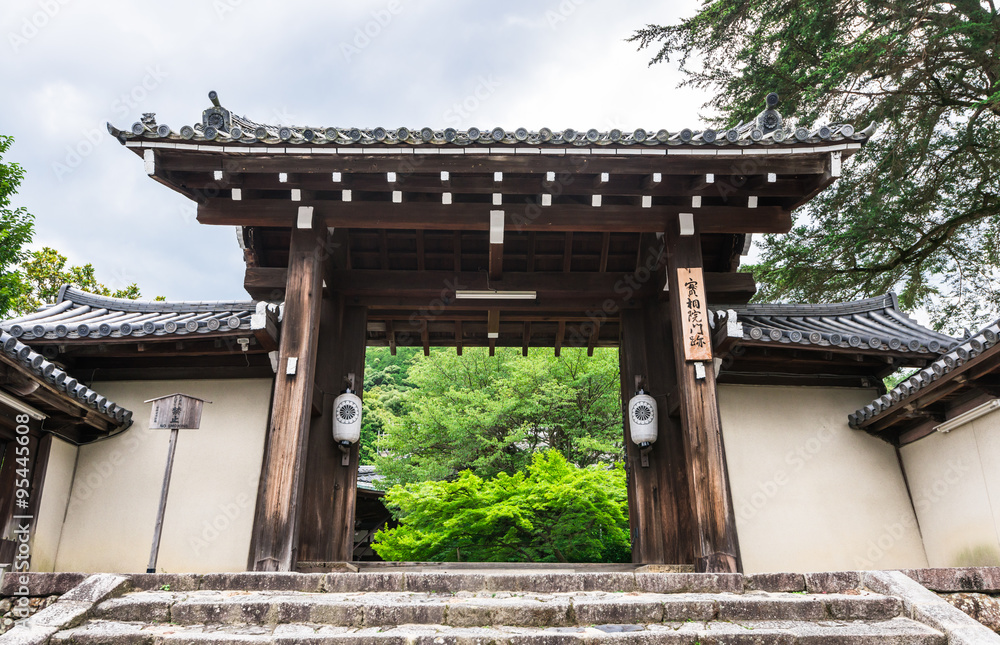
x=16, y=229
x=917, y=209
x=553, y=512
x=45, y=272
x=385, y=383
x=490, y=414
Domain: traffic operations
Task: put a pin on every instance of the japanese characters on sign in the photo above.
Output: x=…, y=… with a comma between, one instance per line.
x=694, y=315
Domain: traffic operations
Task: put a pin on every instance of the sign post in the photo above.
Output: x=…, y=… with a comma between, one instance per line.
x=173, y=412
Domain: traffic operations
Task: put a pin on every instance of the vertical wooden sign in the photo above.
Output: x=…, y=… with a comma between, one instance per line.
x=697, y=339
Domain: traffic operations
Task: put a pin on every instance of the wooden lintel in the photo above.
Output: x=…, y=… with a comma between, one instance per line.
x=257, y=185
x=473, y=217
x=428, y=285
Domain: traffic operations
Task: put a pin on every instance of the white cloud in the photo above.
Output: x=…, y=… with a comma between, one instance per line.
x=557, y=63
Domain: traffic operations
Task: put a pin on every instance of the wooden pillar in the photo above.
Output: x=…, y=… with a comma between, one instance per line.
x=714, y=523
x=275, y=531
x=327, y=523
x=345, y=477
x=659, y=507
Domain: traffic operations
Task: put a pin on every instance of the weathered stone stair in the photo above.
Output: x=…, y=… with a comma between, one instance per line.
x=493, y=608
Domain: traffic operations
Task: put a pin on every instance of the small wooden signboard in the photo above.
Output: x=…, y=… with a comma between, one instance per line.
x=697, y=337
x=175, y=411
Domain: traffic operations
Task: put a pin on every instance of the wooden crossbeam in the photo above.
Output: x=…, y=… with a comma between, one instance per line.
x=633, y=185
x=473, y=217
x=425, y=286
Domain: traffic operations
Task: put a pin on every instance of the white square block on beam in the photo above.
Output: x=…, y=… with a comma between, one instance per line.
x=687, y=223
x=496, y=227
x=305, y=218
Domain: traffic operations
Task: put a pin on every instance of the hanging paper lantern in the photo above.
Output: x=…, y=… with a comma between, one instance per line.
x=642, y=418
x=347, y=418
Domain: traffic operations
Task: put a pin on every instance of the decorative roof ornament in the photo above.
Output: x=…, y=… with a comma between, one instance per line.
x=770, y=120
x=215, y=118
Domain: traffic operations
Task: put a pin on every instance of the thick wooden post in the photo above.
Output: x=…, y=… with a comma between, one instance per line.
x=327, y=523
x=345, y=478
x=275, y=534
x=659, y=506
x=715, y=543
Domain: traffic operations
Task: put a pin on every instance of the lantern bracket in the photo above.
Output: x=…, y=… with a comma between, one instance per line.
x=644, y=455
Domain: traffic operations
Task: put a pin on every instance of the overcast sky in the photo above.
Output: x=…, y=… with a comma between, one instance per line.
x=69, y=66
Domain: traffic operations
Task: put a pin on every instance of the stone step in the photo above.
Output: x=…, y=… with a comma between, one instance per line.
x=896, y=631
x=469, y=609
x=551, y=581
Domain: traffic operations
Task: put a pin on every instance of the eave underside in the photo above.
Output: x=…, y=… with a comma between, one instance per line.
x=579, y=229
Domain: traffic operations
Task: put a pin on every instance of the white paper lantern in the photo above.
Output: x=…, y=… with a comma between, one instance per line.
x=347, y=418
x=642, y=417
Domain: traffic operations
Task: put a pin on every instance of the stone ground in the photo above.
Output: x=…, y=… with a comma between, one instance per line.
x=34, y=606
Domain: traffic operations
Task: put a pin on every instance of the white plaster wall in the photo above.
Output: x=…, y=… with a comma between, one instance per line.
x=810, y=493
x=52, y=508
x=955, y=481
x=112, y=509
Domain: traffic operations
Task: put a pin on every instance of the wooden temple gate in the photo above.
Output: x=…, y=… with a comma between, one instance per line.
x=495, y=238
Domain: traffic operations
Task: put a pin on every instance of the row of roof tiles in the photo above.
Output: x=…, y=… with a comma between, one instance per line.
x=472, y=136
x=62, y=381
x=78, y=314
x=872, y=324
x=905, y=391
x=219, y=125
